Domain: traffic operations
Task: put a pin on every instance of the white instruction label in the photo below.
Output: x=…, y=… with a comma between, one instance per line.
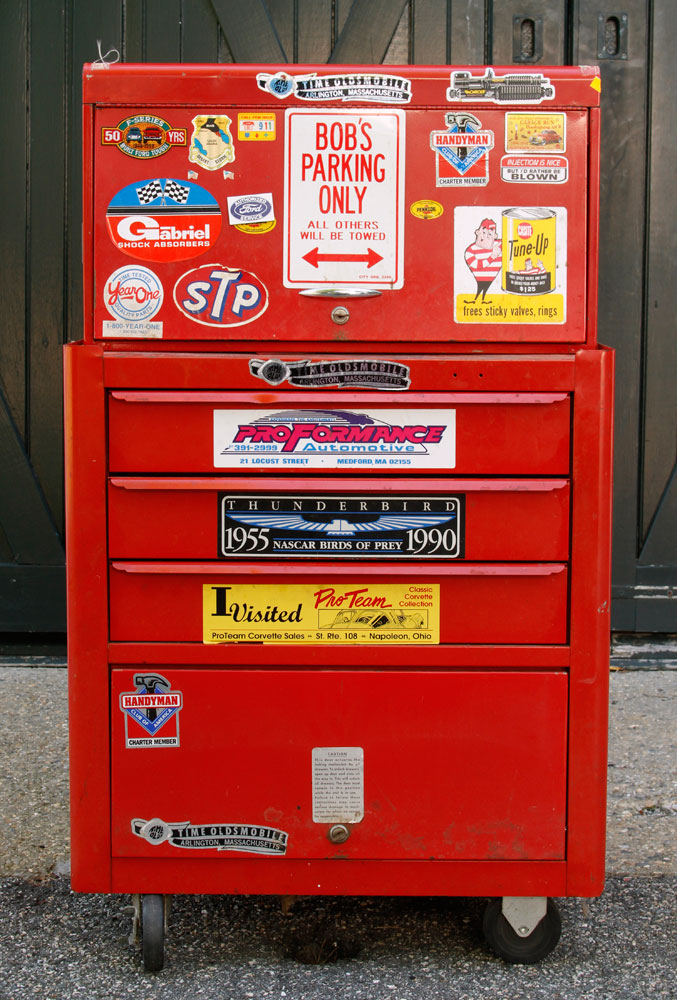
x=338, y=784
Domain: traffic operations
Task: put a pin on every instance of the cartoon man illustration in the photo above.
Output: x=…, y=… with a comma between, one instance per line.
x=484, y=257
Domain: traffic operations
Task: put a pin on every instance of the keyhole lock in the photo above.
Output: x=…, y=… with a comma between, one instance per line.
x=338, y=834
x=340, y=315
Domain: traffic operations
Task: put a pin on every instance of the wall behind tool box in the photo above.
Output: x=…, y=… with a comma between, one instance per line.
x=42, y=48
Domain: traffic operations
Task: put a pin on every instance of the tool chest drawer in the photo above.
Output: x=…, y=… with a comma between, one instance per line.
x=418, y=603
x=204, y=518
x=471, y=433
x=422, y=765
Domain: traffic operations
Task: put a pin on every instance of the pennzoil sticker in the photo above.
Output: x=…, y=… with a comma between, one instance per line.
x=143, y=136
x=357, y=373
x=337, y=613
x=379, y=439
x=462, y=151
x=426, y=208
x=510, y=88
x=381, y=88
x=148, y=709
x=257, y=228
x=325, y=526
x=213, y=836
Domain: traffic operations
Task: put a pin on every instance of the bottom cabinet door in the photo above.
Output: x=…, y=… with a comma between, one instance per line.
x=410, y=765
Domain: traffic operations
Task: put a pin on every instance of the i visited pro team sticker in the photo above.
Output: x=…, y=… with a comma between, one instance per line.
x=163, y=219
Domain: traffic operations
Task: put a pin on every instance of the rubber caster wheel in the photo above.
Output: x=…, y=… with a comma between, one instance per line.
x=507, y=943
x=153, y=932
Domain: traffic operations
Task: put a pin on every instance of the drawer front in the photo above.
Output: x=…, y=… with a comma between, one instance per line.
x=445, y=603
x=446, y=766
x=467, y=433
x=517, y=519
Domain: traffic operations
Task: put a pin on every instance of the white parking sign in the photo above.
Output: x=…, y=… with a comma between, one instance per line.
x=344, y=198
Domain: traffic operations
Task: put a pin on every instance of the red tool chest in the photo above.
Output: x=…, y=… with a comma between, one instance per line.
x=338, y=440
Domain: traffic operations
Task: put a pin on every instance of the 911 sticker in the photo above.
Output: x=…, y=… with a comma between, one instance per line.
x=324, y=612
x=326, y=526
x=377, y=439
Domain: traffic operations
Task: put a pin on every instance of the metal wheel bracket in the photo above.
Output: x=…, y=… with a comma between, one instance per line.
x=135, y=910
x=524, y=913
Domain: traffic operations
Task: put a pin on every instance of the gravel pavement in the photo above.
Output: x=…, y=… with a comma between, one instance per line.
x=55, y=944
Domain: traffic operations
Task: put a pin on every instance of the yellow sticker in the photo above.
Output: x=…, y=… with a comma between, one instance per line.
x=596, y=84
x=256, y=127
x=535, y=133
x=426, y=209
x=335, y=613
x=510, y=309
x=256, y=227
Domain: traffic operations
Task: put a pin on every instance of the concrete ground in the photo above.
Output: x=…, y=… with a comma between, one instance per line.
x=55, y=944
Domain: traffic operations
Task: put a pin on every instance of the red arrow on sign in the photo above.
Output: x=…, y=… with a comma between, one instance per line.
x=369, y=258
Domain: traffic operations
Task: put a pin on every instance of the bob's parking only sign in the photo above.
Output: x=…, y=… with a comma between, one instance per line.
x=344, y=199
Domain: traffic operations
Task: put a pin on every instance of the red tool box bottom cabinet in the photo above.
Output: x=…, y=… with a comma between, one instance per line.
x=465, y=754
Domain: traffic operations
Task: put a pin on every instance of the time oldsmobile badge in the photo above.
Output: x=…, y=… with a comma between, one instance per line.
x=343, y=613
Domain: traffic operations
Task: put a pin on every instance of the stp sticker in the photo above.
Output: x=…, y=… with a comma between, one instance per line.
x=148, y=709
x=323, y=612
x=143, y=136
x=344, y=199
x=251, y=838
x=324, y=526
x=211, y=144
x=163, y=219
x=133, y=293
x=461, y=151
x=250, y=208
x=220, y=295
x=421, y=439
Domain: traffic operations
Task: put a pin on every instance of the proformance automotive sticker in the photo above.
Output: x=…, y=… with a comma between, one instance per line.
x=376, y=439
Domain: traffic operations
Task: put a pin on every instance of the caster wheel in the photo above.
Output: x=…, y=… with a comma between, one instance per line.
x=153, y=932
x=508, y=944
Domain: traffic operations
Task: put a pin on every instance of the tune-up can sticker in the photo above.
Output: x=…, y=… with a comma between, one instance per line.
x=336, y=613
x=510, y=264
x=220, y=295
x=151, y=712
x=163, y=219
x=326, y=526
x=377, y=439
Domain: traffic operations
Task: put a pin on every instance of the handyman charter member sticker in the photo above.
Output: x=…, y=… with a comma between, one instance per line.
x=345, y=613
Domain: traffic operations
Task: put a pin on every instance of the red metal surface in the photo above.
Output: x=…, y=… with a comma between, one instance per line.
x=484, y=602
x=496, y=773
x=485, y=754
x=173, y=432
x=179, y=519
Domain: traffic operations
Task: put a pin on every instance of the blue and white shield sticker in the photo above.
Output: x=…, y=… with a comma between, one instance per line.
x=151, y=712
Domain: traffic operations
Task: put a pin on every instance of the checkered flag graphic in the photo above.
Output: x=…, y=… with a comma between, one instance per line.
x=177, y=192
x=149, y=192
